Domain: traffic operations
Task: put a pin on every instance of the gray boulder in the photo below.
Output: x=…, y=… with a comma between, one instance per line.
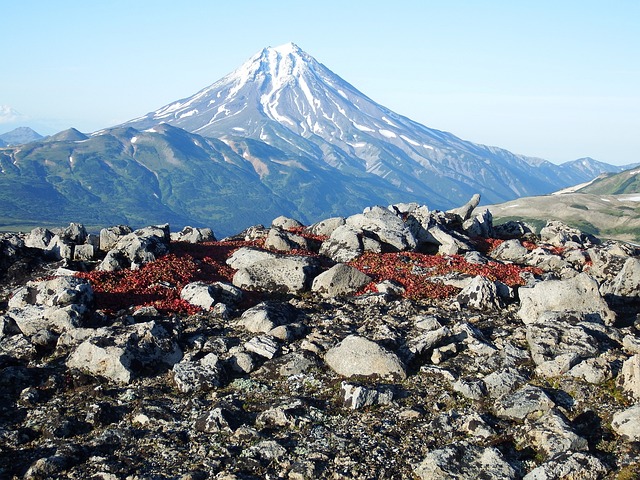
x=579, y=294
x=357, y=355
x=340, y=279
x=626, y=284
x=627, y=423
x=465, y=211
x=629, y=378
x=264, y=345
x=284, y=241
x=139, y=247
x=193, y=235
x=198, y=376
x=358, y=396
x=246, y=256
x=326, y=227
x=528, y=402
x=569, y=466
x=384, y=226
x=279, y=274
x=206, y=295
x=558, y=234
x=266, y=316
x=555, y=334
x=110, y=236
x=511, y=251
x=464, y=461
x=553, y=435
x=122, y=354
x=344, y=244
x=480, y=294
x=512, y=229
x=38, y=238
x=285, y=223
x=480, y=225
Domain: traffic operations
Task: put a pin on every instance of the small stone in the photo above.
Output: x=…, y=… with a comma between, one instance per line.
x=264, y=345
x=358, y=396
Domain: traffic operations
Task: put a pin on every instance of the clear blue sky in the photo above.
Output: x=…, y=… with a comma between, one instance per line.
x=554, y=79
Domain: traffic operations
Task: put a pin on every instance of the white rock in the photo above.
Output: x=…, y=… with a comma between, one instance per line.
x=627, y=423
x=357, y=355
x=340, y=279
x=579, y=294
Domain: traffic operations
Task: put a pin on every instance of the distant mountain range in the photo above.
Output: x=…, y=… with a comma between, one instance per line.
x=282, y=134
x=19, y=136
x=627, y=182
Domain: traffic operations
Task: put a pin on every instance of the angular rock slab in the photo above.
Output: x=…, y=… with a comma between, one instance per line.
x=196, y=376
x=529, y=402
x=266, y=316
x=278, y=274
x=120, y=356
x=556, y=334
x=358, y=396
x=464, y=461
x=627, y=423
x=569, y=466
x=340, y=279
x=579, y=294
x=357, y=355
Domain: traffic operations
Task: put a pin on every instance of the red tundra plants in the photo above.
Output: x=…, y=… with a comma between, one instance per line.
x=159, y=283
x=416, y=272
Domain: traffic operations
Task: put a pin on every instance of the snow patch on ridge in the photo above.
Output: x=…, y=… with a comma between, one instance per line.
x=387, y=133
x=362, y=128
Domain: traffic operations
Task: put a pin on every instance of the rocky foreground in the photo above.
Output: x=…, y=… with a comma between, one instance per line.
x=396, y=343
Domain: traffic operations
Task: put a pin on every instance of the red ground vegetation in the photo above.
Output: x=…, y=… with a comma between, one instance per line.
x=159, y=283
x=415, y=272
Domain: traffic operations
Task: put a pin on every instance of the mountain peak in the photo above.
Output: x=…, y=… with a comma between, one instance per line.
x=288, y=49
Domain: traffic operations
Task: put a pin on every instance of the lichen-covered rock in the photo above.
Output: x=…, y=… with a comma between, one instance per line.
x=340, y=279
x=344, y=244
x=480, y=294
x=358, y=396
x=528, y=402
x=627, y=423
x=630, y=376
x=579, y=294
x=384, y=226
x=121, y=355
x=464, y=461
x=266, y=316
x=285, y=223
x=283, y=274
x=357, y=355
x=553, y=435
x=198, y=376
x=569, y=466
x=193, y=235
x=284, y=241
x=554, y=334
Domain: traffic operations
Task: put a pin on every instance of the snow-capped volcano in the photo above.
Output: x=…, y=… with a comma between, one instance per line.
x=285, y=98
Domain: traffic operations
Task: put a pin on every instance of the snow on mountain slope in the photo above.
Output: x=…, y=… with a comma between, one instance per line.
x=285, y=98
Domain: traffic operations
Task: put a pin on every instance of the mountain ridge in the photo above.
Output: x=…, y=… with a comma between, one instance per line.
x=282, y=133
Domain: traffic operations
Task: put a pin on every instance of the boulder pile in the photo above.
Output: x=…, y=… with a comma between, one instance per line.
x=399, y=342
